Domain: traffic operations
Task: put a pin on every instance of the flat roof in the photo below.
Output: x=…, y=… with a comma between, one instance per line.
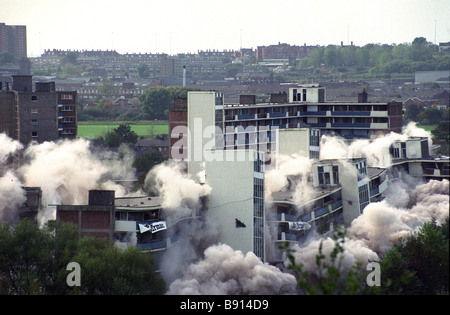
x=138, y=203
x=319, y=192
x=374, y=171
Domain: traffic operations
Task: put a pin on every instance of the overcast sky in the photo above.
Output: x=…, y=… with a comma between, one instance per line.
x=181, y=26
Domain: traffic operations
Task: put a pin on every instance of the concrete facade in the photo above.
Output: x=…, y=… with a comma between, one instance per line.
x=236, y=201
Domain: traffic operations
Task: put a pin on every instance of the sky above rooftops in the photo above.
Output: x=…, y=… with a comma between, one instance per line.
x=186, y=26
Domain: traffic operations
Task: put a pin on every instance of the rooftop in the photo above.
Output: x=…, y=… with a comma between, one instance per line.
x=139, y=203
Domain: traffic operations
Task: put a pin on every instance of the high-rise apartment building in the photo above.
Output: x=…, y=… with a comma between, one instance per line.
x=13, y=39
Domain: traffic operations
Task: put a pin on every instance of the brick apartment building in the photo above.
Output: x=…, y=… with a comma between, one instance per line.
x=95, y=219
x=13, y=39
x=177, y=118
x=40, y=114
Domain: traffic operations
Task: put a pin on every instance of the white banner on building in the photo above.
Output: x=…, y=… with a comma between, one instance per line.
x=159, y=226
x=299, y=226
x=153, y=227
x=144, y=227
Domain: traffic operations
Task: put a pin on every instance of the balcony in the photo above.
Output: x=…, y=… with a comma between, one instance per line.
x=313, y=113
x=153, y=245
x=245, y=117
x=306, y=217
x=377, y=113
x=374, y=192
x=320, y=212
x=379, y=125
x=351, y=113
x=320, y=125
x=277, y=115
x=337, y=204
x=346, y=125
x=283, y=217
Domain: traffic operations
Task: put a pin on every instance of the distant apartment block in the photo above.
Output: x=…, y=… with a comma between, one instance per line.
x=39, y=114
x=283, y=51
x=13, y=39
x=295, y=120
x=307, y=105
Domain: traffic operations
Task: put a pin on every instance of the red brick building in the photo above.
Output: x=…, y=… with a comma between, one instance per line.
x=178, y=118
x=95, y=219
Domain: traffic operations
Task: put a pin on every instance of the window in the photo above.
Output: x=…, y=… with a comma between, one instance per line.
x=335, y=174
x=314, y=154
x=320, y=174
x=327, y=178
x=33, y=97
x=34, y=122
x=34, y=110
x=362, y=170
x=34, y=134
x=314, y=138
x=66, y=96
x=363, y=197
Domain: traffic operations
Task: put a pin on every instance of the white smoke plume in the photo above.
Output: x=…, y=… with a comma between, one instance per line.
x=376, y=151
x=408, y=204
x=8, y=146
x=193, y=237
x=180, y=193
x=12, y=196
x=181, y=199
x=354, y=251
x=67, y=170
x=382, y=224
x=295, y=166
x=224, y=271
x=64, y=170
x=379, y=228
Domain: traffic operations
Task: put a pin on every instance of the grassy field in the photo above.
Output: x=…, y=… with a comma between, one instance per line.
x=96, y=129
x=427, y=127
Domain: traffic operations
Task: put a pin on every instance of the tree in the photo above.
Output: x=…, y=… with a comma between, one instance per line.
x=106, y=87
x=332, y=56
x=71, y=57
x=420, y=50
x=433, y=115
x=33, y=260
x=111, y=270
x=147, y=160
x=330, y=280
x=24, y=257
x=143, y=71
x=121, y=134
x=441, y=135
x=419, y=264
x=156, y=101
x=412, y=112
x=6, y=57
